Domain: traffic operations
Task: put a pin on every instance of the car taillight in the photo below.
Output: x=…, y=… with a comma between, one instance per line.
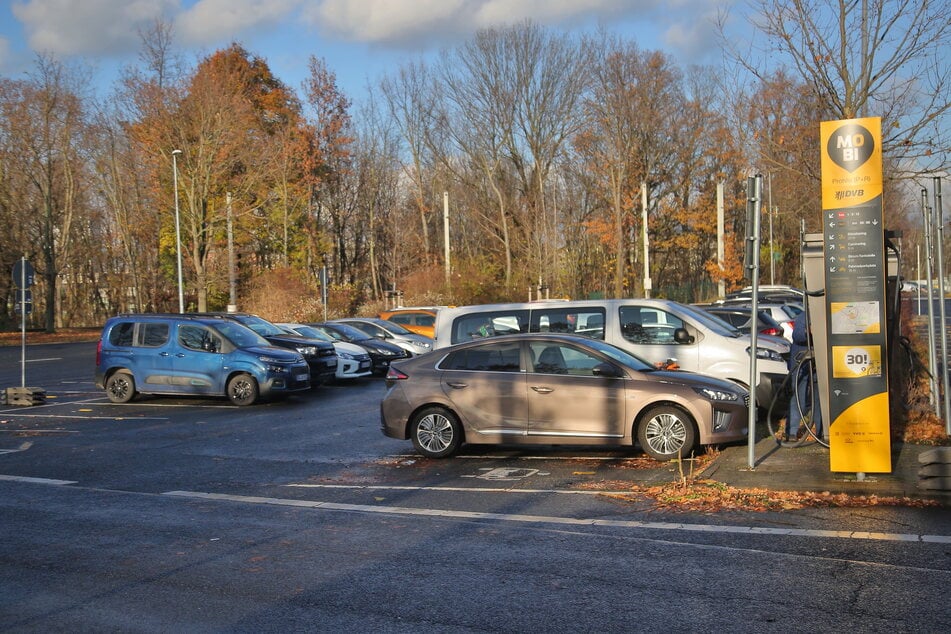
x=771, y=331
x=392, y=374
x=99, y=353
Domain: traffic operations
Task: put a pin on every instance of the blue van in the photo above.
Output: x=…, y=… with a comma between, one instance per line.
x=180, y=354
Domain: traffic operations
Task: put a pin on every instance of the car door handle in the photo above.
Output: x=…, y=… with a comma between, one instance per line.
x=180, y=355
x=456, y=386
x=163, y=354
x=541, y=389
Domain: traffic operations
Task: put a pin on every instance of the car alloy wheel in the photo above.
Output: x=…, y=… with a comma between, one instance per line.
x=436, y=432
x=666, y=432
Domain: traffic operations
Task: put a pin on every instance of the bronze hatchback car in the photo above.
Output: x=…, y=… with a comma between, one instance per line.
x=546, y=389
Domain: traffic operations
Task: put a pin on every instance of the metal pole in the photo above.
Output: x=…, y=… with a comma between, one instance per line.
x=232, y=282
x=929, y=263
x=769, y=210
x=445, y=231
x=721, y=248
x=939, y=223
x=178, y=232
x=23, y=321
x=754, y=196
x=647, y=269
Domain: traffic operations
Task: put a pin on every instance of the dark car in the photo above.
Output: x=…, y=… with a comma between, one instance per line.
x=320, y=356
x=381, y=353
x=739, y=317
x=545, y=389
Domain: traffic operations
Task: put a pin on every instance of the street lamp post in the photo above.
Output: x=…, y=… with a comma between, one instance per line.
x=178, y=232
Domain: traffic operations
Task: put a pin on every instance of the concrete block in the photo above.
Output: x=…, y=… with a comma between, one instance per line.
x=938, y=454
x=25, y=396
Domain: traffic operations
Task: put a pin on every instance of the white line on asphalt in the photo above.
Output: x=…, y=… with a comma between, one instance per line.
x=544, y=519
x=49, y=359
x=452, y=489
x=14, y=414
x=36, y=480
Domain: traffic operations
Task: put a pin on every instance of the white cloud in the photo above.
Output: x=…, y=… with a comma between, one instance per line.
x=422, y=22
x=210, y=21
x=89, y=27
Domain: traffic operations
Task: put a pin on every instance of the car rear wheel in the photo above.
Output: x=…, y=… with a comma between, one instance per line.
x=242, y=389
x=436, y=432
x=666, y=433
x=120, y=387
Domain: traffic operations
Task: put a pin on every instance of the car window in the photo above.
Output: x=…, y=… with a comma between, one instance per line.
x=558, y=358
x=488, y=324
x=648, y=325
x=153, y=335
x=198, y=338
x=580, y=321
x=121, y=333
x=494, y=357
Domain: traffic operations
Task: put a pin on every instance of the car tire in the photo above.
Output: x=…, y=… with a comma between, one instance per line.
x=666, y=433
x=120, y=387
x=242, y=389
x=436, y=432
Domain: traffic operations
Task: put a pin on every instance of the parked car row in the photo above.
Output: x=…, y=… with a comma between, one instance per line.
x=663, y=375
x=241, y=356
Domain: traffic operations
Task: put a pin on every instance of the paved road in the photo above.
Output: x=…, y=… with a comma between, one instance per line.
x=191, y=514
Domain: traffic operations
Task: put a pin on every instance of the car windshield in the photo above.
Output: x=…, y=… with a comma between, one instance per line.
x=239, y=335
x=260, y=326
x=621, y=356
x=389, y=326
x=346, y=332
x=312, y=333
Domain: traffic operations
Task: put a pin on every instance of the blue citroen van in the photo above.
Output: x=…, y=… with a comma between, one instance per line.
x=182, y=355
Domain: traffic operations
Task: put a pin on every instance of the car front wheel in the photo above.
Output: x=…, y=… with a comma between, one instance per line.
x=436, y=432
x=242, y=389
x=666, y=433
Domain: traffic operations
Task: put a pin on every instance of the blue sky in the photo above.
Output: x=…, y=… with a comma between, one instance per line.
x=361, y=40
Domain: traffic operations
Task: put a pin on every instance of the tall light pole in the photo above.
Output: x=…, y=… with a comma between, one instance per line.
x=178, y=232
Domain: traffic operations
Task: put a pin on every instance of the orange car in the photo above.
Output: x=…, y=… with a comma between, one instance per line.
x=422, y=321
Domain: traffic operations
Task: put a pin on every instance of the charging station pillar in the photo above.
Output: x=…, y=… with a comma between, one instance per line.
x=815, y=282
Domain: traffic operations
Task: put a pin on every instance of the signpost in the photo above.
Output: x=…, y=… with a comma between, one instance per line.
x=23, y=274
x=855, y=271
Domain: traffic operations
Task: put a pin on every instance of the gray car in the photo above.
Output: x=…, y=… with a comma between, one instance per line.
x=556, y=389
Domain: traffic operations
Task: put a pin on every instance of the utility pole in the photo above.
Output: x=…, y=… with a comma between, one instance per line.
x=445, y=231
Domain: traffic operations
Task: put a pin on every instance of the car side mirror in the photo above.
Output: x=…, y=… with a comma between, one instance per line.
x=606, y=370
x=681, y=336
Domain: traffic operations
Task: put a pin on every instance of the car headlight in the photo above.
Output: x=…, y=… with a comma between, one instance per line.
x=767, y=353
x=346, y=355
x=716, y=395
x=386, y=352
x=307, y=351
x=421, y=344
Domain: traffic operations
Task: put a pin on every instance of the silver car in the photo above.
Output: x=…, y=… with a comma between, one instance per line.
x=556, y=389
x=387, y=331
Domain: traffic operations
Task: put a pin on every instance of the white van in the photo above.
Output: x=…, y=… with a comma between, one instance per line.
x=656, y=330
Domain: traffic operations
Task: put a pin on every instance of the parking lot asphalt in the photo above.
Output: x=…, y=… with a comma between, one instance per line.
x=807, y=468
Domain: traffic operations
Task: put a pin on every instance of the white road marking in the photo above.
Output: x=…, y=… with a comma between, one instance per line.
x=373, y=487
x=36, y=480
x=544, y=519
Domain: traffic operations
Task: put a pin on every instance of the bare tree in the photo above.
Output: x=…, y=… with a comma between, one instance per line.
x=863, y=58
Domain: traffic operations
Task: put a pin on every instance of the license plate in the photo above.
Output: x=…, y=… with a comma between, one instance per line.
x=302, y=377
